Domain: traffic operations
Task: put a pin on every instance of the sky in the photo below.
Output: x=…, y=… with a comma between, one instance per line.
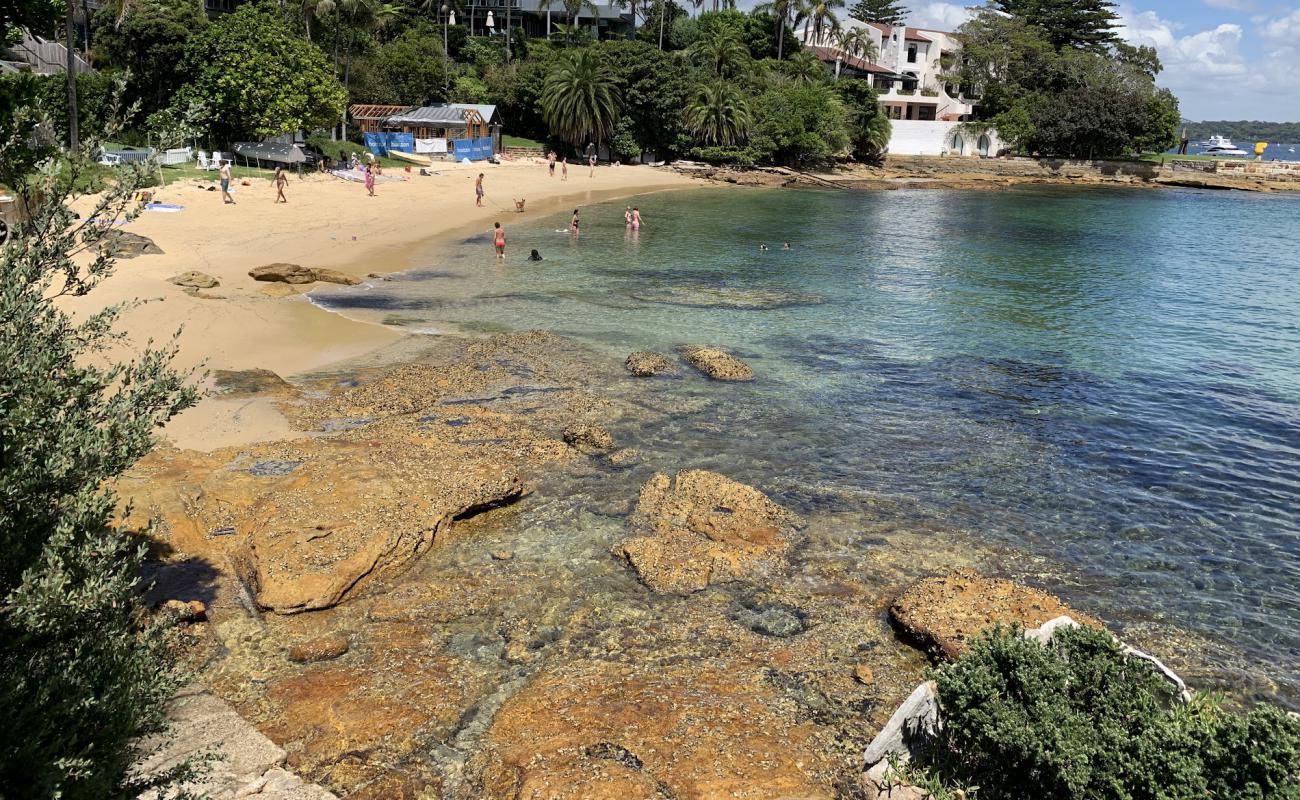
x=1224, y=59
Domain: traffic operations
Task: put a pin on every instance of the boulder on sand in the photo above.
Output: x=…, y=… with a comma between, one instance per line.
x=644, y=364
x=124, y=244
x=193, y=281
x=718, y=364
x=704, y=528
x=295, y=273
x=943, y=614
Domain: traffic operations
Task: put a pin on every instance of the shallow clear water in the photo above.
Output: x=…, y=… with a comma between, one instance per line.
x=1109, y=379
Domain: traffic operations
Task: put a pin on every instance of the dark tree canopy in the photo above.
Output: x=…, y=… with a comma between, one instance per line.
x=150, y=41
x=1080, y=24
x=886, y=12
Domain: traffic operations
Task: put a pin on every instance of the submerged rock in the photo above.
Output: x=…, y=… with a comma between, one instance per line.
x=942, y=614
x=741, y=298
x=124, y=244
x=717, y=363
x=324, y=648
x=295, y=273
x=705, y=528
x=250, y=381
x=645, y=364
x=588, y=439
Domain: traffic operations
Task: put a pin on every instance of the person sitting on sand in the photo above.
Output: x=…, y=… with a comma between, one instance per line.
x=534, y=256
x=573, y=223
x=280, y=182
x=499, y=240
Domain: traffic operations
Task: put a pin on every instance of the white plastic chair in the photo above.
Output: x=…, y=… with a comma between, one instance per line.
x=203, y=162
x=110, y=159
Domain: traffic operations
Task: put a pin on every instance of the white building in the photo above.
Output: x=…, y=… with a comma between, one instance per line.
x=917, y=93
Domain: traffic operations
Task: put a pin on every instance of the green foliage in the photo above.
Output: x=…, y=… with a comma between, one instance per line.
x=886, y=12
x=1245, y=130
x=799, y=124
x=1078, y=719
x=650, y=30
x=1080, y=24
x=653, y=88
x=720, y=52
x=84, y=670
x=97, y=99
x=580, y=99
x=339, y=150
x=804, y=67
x=469, y=89
x=482, y=53
x=248, y=95
x=149, y=40
x=408, y=70
x=624, y=144
x=1015, y=127
x=516, y=88
x=868, y=128
x=718, y=114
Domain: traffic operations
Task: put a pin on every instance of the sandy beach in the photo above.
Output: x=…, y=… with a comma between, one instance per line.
x=327, y=223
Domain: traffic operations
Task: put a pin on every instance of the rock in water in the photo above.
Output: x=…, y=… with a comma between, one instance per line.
x=324, y=648
x=705, y=528
x=644, y=364
x=124, y=244
x=294, y=273
x=739, y=298
x=943, y=614
x=588, y=439
x=717, y=364
x=194, y=280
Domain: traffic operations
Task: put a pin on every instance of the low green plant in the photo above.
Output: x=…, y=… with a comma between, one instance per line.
x=1077, y=719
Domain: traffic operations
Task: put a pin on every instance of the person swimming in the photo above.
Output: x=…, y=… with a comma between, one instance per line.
x=535, y=256
x=786, y=246
x=762, y=248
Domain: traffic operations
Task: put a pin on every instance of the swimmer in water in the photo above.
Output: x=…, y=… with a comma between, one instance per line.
x=534, y=256
x=786, y=246
x=762, y=248
x=573, y=223
x=636, y=218
x=627, y=216
x=499, y=240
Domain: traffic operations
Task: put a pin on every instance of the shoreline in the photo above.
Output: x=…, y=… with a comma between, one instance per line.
x=242, y=324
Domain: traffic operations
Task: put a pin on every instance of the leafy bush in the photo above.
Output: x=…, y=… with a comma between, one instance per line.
x=1077, y=719
x=84, y=669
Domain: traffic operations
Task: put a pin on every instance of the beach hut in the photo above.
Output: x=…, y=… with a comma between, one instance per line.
x=453, y=130
x=369, y=117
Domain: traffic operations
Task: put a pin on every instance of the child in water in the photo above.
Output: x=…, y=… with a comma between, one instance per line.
x=499, y=240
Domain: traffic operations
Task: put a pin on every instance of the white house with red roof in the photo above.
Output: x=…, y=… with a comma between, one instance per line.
x=911, y=73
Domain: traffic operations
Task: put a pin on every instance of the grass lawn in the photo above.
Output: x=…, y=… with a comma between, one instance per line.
x=1165, y=158
x=519, y=141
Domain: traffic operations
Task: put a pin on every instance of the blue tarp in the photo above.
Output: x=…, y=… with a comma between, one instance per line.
x=473, y=149
x=381, y=143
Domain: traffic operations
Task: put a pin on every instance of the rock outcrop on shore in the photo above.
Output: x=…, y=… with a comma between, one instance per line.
x=717, y=363
x=125, y=244
x=942, y=614
x=295, y=273
x=704, y=528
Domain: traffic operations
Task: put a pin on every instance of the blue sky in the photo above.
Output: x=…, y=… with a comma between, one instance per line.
x=1224, y=59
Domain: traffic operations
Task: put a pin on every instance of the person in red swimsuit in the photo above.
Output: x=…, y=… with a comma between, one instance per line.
x=499, y=240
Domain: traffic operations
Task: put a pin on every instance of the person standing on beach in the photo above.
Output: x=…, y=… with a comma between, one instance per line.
x=550, y=163
x=225, y=184
x=499, y=240
x=478, y=191
x=370, y=180
x=573, y=223
x=564, y=168
x=280, y=182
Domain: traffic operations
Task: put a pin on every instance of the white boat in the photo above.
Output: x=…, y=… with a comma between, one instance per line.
x=1221, y=146
x=413, y=158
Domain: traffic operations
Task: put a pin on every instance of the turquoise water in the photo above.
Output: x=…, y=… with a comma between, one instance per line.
x=1106, y=379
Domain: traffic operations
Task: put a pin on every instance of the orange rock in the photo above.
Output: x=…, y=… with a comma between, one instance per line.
x=323, y=648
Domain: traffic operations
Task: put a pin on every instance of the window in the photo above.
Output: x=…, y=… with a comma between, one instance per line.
x=911, y=54
x=925, y=112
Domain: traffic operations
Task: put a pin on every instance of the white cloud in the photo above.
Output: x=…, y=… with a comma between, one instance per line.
x=939, y=16
x=1283, y=30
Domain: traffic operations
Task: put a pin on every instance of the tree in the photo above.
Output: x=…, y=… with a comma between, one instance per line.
x=886, y=12
x=868, y=127
x=401, y=72
x=580, y=100
x=246, y=94
x=84, y=669
x=150, y=41
x=718, y=114
x=1078, y=24
x=721, y=53
x=821, y=19
x=856, y=42
x=654, y=87
x=799, y=124
x=804, y=68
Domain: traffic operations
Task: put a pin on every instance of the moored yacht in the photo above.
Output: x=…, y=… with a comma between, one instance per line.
x=1221, y=146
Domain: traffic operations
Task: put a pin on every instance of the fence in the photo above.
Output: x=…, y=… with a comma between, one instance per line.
x=381, y=143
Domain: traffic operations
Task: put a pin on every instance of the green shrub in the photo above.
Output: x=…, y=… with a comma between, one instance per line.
x=1077, y=719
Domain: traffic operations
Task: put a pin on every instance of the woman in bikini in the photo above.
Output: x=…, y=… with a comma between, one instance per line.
x=573, y=223
x=636, y=219
x=499, y=240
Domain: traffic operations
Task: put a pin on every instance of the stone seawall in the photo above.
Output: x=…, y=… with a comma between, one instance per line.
x=1025, y=167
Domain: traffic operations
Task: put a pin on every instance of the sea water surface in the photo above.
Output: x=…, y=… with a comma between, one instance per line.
x=1106, y=379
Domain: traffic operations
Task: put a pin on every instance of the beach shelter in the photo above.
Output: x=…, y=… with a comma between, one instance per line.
x=459, y=130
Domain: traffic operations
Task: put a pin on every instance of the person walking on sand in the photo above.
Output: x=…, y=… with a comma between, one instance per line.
x=564, y=168
x=636, y=218
x=478, y=191
x=550, y=163
x=280, y=182
x=573, y=223
x=225, y=184
x=499, y=240
x=370, y=180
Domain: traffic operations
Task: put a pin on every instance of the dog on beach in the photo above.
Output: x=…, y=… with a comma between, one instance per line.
x=519, y=205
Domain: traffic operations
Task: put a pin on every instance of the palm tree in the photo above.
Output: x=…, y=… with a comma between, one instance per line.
x=785, y=13
x=572, y=8
x=580, y=100
x=821, y=17
x=804, y=67
x=719, y=114
x=856, y=42
x=721, y=52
